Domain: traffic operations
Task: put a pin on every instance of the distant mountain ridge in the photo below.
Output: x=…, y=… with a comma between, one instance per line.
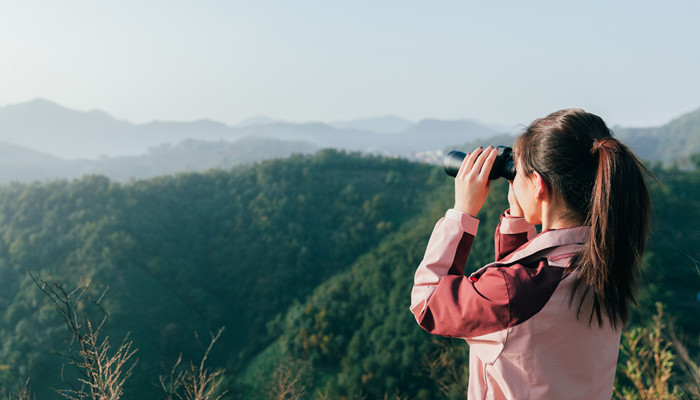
x=42, y=140
x=19, y=164
x=385, y=124
x=50, y=128
x=47, y=127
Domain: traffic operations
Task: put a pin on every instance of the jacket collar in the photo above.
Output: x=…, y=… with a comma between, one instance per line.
x=555, y=245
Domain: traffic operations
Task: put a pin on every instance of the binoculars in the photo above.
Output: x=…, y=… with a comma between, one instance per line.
x=503, y=166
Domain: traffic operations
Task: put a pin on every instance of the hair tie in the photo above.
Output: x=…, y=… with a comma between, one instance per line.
x=606, y=144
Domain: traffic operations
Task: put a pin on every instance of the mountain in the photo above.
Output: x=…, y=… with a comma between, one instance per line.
x=12, y=155
x=19, y=164
x=431, y=133
x=672, y=143
x=44, y=140
x=49, y=128
x=320, y=134
x=423, y=136
x=72, y=143
x=385, y=124
x=190, y=253
x=159, y=132
x=261, y=120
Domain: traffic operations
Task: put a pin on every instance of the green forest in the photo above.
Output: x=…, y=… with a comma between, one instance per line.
x=305, y=262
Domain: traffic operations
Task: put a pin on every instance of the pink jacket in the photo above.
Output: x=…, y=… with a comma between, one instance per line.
x=525, y=339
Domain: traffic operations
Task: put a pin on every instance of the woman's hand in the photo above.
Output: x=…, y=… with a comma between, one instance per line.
x=472, y=182
x=515, y=209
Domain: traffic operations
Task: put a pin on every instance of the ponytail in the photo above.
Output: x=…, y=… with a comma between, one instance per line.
x=602, y=184
x=618, y=219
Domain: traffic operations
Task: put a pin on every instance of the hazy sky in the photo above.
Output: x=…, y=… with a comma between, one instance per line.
x=635, y=63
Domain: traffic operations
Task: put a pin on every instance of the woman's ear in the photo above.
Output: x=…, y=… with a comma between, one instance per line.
x=541, y=189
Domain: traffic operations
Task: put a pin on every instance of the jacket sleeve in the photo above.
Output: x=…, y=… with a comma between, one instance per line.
x=444, y=301
x=511, y=233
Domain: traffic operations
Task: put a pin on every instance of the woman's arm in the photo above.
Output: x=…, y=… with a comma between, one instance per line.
x=442, y=268
x=511, y=233
x=446, y=302
x=446, y=254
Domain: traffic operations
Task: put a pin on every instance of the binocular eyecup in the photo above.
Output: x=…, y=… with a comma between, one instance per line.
x=503, y=166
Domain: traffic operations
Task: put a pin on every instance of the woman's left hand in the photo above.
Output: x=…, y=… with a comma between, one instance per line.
x=472, y=182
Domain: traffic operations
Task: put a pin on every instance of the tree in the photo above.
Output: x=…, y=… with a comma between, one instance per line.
x=102, y=375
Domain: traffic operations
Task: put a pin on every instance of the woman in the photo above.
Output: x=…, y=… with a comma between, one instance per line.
x=544, y=320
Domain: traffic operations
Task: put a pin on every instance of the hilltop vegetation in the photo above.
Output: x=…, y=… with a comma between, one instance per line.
x=307, y=262
x=193, y=252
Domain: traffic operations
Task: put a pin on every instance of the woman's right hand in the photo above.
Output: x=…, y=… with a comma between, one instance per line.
x=472, y=182
x=515, y=209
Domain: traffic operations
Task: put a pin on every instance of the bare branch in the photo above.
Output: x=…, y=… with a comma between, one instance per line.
x=102, y=374
x=23, y=392
x=195, y=382
x=214, y=338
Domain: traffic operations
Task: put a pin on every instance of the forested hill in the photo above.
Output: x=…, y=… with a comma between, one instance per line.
x=672, y=143
x=306, y=261
x=355, y=338
x=191, y=253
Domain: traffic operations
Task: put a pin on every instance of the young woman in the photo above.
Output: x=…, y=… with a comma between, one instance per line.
x=544, y=320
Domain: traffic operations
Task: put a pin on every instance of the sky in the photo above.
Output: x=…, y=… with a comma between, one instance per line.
x=634, y=63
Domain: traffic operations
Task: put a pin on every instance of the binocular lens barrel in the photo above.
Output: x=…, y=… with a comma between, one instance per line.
x=453, y=161
x=503, y=166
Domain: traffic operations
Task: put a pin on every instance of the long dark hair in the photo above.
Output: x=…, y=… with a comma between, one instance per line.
x=602, y=183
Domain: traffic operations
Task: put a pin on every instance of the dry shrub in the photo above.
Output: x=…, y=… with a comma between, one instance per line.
x=195, y=382
x=101, y=374
x=648, y=362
